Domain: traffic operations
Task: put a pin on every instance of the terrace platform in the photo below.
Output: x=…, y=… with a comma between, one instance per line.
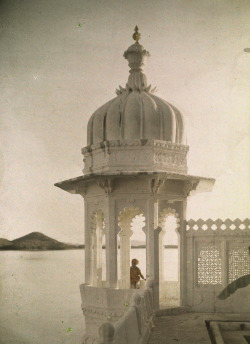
x=190, y=328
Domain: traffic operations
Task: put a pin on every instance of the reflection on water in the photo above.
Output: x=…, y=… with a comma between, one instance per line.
x=36, y=256
x=40, y=298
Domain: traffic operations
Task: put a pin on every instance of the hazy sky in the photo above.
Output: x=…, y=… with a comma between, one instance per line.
x=55, y=73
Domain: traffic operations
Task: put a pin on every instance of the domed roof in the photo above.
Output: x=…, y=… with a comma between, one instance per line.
x=136, y=113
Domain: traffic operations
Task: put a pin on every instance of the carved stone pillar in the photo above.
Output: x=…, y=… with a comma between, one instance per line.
x=152, y=223
x=95, y=243
x=125, y=235
x=156, y=287
x=181, y=208
x=87, y=245
x=152, y=247
x=111, y=243
x=99, y=236
x=94, y=258
x=161, y=256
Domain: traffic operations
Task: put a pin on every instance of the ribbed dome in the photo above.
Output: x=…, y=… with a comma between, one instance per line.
x=136, y=115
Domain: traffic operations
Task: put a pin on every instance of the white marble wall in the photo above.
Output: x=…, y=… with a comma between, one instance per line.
x=217, y=255
x=135, y=155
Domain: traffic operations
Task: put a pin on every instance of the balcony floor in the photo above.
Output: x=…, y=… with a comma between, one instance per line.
x=190, y=328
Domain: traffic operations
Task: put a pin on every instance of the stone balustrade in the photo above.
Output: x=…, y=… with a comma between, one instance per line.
x=135, y=325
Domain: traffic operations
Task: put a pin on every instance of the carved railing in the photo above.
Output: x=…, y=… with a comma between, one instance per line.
x=135, y=325
x=217, y=227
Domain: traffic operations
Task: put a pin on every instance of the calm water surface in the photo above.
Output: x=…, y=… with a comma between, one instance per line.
x=40, y=298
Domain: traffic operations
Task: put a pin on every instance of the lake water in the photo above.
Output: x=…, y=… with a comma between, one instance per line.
x=40, y=298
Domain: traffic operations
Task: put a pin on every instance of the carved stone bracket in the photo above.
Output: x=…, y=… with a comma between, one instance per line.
x=190, y=186
x=80, y=190
x=155, y=185
x=106, y=184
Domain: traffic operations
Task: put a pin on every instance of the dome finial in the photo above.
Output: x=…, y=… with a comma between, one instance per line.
x=135, y=55
x=136, y=36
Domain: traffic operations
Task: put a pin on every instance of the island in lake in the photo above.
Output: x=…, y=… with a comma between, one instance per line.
x=37, y=241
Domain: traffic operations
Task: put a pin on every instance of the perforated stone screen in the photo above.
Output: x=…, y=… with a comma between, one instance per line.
x=209, y=265
x=239, y=262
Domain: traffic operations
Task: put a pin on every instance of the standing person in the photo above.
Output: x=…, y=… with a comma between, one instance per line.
x=135, y=274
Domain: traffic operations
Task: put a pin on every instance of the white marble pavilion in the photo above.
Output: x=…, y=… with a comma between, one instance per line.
x=135, y=163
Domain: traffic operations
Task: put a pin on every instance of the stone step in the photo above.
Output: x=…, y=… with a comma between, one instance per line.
x=171, y=311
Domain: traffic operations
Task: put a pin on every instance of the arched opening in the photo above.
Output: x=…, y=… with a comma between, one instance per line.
x=138, y=245
x=97, y=270
x=131, y=243
x=169, y=262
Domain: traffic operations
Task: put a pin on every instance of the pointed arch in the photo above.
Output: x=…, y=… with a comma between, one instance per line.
x=164, y=215
x=125, y=222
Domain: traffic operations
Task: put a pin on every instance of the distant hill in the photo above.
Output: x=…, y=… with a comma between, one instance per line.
x=135, y=244
x=4, y=242
x=138, y=244
x=35, y=241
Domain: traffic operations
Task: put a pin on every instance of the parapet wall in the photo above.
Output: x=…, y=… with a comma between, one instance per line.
x=218, y=252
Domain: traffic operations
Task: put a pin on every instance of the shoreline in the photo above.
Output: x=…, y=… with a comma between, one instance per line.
x=76, y=248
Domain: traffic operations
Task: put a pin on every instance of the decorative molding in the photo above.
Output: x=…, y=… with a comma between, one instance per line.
x=168, y=212
x=136, y=142
x=125, y=218
x=218, y=227
x=139, y=154
x=134, y=156
x=107, y=312
x=171, y=146
x=171, y=158
x=124, y=91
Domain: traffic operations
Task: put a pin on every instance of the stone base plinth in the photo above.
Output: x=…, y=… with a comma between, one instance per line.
x=169, y=294
x=100, y=305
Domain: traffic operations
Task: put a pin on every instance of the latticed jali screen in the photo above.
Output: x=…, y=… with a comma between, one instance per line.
x=209, y=265
x=238, y=262
x=220, y=244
